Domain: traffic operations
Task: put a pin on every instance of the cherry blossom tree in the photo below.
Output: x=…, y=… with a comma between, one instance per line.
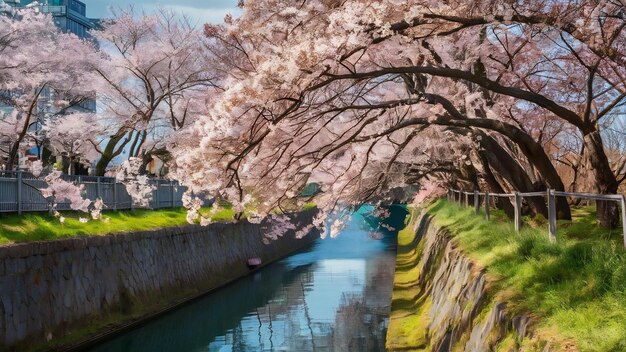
x=361, y=98
x=75, y=136
x=153, y=65
x=432, y=189
x=37, y=62
x=10, y=128
x=60, y=190
x=137, y=185
x=340, y=93
x=566, y=58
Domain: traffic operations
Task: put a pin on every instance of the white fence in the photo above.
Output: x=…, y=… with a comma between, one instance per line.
x=550, y=196
x=19, y=192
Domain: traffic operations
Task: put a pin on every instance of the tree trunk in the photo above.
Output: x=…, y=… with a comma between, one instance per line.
x=102, y=164
x=606, y=182
x=146, y=158
x=71, y=168
x=495, y=187
x=500, y=161
x=110, y=152
x=533, y=151
x=15, y=148
x=13, y=155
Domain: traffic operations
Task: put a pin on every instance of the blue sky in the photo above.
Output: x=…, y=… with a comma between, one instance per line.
x=200, y=10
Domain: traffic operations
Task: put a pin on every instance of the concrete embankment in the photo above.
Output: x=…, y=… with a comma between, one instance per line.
x=442, y=299
x=57, y=293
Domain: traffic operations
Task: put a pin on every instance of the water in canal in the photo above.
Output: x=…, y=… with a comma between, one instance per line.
x=333, y=296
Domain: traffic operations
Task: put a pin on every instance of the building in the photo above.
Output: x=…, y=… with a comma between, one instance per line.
x=69, y=15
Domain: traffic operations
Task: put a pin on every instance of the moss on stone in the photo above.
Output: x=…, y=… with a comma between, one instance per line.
x=409, y=308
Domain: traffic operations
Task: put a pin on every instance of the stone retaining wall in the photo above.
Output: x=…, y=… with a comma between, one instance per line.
x=458, y=311
x=48, y=289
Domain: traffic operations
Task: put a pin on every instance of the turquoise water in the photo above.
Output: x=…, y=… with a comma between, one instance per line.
x=333, y=296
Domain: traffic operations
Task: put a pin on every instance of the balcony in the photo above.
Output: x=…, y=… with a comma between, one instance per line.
x=54, y=10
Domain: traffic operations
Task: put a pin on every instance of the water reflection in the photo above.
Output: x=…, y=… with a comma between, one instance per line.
x=333, y=296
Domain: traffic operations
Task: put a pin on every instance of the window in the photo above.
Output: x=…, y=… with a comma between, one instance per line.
x=76, y=28
x=88, y=104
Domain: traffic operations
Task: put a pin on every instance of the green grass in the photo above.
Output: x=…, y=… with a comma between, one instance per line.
x=409, y=307
x=39, y=227
x=42, y=227
x=577, y=286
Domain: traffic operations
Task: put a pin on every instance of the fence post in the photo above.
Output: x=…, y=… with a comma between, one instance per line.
x=466, y=199
x=518, y=211
x=114, y=194
x=156, y=194
x=476, y=202
x=487, y=205
x=98, y=188
x=19, y=192
x=624, y=218
x=172, y=192
x=551, y=215
x=131, y=205
x=460, y=198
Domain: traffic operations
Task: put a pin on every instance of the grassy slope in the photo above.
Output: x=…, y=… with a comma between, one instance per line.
x=37, y=226
x=577, y=286
x=407, y=323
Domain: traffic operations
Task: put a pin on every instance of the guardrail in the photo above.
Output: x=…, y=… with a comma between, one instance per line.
x=19, y=192
x=550, y=196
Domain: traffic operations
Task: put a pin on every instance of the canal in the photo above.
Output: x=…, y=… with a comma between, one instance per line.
x=332, y=296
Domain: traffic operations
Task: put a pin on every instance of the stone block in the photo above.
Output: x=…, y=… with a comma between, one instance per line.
x=6, y=300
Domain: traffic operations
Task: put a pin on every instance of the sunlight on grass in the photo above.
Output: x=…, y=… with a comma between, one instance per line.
x=408, y=319
x=38, y=226
x=577, y=285
x=41, y=226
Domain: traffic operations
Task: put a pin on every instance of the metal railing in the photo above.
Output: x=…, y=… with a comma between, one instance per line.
x=550, y=196
x=20, y=192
